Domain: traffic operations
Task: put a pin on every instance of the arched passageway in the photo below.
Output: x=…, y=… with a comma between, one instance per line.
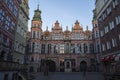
x=52, y=65
x=83, y=66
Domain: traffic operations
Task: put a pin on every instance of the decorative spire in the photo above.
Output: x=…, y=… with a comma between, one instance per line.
x=76, y=22
x=37, y=14
x=52, y=25
x=38, y=6
x=87, y=27
x=66, y=28
x=46, y=28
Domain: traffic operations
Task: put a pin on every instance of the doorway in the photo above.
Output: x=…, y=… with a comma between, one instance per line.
x=52, y=65
x=83, y=66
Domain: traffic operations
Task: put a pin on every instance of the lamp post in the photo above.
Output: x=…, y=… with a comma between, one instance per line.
x=45, y=64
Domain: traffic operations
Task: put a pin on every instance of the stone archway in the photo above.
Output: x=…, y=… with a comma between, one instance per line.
x=31, y=69
x=52, y=65
x=83, y=66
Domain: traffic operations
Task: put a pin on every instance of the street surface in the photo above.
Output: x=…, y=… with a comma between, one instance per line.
x=69, y=76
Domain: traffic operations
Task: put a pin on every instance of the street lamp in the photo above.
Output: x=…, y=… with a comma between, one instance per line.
x=45, y=64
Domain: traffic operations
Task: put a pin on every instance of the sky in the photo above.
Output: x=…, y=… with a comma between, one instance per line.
x=65, y=11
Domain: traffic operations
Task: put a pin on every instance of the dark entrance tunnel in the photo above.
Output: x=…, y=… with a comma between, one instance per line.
x=52, y=65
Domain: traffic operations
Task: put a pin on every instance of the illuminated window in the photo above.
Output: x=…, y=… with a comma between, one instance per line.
x=62, y=48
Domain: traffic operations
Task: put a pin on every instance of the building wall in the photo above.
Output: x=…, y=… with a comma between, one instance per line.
x=21, y=33
x=58, y=46
x=9, y=11
x=108, y=25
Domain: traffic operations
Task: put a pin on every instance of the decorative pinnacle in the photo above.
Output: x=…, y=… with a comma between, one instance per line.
x=67, y=28
x=38, y=6
x=46, y=28
x=87, y=27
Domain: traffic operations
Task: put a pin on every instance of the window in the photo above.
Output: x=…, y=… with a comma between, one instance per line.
x=10, y=4
x=7, y=23
x=104, y=15
x=96, y=34
x=91, y=48
x=117, y=18
x=2, y=14
x=49, y=48
x=102, y=33
x=109, y=10
x=114, y=43
x=62, y=48
x=33, y=34
x=43, y=49
x=111, y=24
x=100, y=19
x=33, y=46
x=108, y=45
x=15, y=10
x=12, y=26
x=115, y=3
x=103, y=47
x=106, y=29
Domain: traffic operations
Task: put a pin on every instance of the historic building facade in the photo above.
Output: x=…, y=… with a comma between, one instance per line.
x=9, y=12
x=107, y=15
x=21, y=33
x=60, y=50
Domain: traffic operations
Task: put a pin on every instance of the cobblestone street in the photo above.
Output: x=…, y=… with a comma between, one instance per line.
x=69, y=76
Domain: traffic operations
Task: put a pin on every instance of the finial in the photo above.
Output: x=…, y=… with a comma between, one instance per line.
x=52, y=25
x=46, y=28
x=38, y=6
x=87, y=27
x=72, y=25
x=66, y=28
x=56, y=21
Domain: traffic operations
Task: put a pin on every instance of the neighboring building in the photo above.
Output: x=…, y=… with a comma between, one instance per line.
x=9, y=11
x=96, y=40
x=60, y=50
x=108, y=21
x=21, y=33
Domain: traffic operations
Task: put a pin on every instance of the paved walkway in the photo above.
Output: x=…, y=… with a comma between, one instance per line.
x=69, y=76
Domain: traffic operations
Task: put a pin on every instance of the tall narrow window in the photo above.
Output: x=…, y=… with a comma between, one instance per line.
x=33, y=47
x=33, y=34
x=62, y=48
x=103, y=47
x=117, y=18
x=115, y=3
x=113, y=42
x=43, y=49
